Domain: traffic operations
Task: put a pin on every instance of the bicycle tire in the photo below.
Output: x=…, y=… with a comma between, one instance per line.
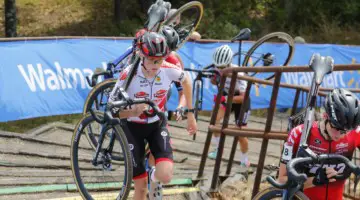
x=90, y=99
x=284, y=36
x=120, y=137
x=193, y=4
x=95, y=91
x=272, y=192
x=197, y=103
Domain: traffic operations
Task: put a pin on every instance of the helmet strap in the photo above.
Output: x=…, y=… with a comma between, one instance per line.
x=142, y=63
x=325, y=130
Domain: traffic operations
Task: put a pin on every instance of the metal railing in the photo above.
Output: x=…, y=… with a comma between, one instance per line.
x=265, y=134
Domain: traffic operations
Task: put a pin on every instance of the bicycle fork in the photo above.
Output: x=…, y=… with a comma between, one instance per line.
x=106, y=154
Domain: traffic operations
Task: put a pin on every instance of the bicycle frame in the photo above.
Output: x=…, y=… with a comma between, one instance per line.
x=198, y=80
x=100, y=142
x=201, y=74
x=112, y=65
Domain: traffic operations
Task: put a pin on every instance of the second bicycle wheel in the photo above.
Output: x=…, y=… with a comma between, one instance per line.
x=97, y=99
x=197, y=105
x=185, y=20
x=108, y=179
x=275, y=193
x=274, y=49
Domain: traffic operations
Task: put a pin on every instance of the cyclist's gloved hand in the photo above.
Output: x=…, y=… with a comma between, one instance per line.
x=320, y=177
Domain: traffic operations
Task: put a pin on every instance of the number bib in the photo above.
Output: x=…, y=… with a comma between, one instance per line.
x=287, y=152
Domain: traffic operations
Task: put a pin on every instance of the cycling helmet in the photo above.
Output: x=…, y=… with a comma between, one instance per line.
x=342, y=107
x=223, y=56
x=153, y=44
x=172, y=37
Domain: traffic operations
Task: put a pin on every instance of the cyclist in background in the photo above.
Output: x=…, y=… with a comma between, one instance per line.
x=222, y=58
x=337, y=133
x=152, y=80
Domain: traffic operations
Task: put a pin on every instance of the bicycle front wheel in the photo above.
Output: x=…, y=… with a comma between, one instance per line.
x=185, y=20
x=274, y=49
x=276, y=193
x=106, y=179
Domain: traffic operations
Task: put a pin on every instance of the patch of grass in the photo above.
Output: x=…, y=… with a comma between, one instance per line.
x=72, y=18
x=22, y=126
x=259, y=113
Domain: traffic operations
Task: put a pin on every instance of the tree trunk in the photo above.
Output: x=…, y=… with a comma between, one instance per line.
x=10, y=18
x=118, y=15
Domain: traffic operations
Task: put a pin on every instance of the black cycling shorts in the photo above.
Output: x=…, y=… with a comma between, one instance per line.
x=236, y=107
x=159, y=143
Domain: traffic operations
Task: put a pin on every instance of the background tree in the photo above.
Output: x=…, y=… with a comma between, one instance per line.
x=10, y=18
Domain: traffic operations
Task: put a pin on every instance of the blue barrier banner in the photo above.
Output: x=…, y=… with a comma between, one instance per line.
x=197, y=55
x=48, y=77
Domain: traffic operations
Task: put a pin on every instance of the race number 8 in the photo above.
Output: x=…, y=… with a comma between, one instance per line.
x=287, y=152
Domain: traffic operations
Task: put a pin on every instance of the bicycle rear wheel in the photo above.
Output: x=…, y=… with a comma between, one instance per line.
x=190, y=14
x=262, y=53
x=92, y=181
x=276, y=193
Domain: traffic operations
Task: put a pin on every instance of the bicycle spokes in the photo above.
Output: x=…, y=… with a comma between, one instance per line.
x=274, y=49
x=185, y=20
x=98, y=173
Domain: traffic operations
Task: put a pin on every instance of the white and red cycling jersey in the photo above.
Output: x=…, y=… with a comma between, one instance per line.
x=155, y=89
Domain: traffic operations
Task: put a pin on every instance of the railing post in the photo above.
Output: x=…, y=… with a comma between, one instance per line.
x=209, y=133
x=241, y=119
x=265, y=141
x=296, y=100
x=222, y=135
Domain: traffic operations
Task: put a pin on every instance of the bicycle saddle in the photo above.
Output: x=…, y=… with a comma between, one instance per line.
x=244, y=34
x=321, y=65
x=157, y=13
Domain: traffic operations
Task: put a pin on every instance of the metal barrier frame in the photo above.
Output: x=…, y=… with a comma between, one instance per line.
x=266, y=134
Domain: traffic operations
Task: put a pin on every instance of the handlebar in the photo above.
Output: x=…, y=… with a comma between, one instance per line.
x=127, y=102
x=300, y=178
x=208, y=73
x=98, y=72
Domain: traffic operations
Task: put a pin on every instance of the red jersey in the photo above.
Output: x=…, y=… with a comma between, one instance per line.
x=318, y=144
x=173, y=60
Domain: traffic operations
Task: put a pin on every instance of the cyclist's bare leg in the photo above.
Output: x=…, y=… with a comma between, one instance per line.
x=164, y=171
x=243, y=141
x=219, y=117
x=244, y=147
x=140, y=186
x=244, y=144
